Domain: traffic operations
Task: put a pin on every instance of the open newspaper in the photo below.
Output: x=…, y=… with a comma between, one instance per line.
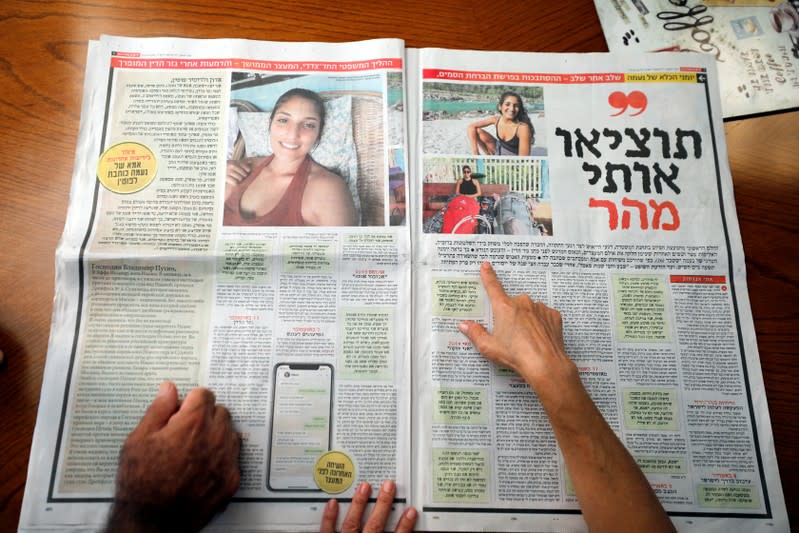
x=324, y=313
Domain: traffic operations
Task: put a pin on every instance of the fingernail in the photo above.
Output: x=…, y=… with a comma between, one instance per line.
x=464, y=327
x=410, y=513
x=330, y=505
x=164, y=389
x=387, y=486
x=364, y=489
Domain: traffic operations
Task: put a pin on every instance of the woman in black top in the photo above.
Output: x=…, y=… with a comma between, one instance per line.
x=514, y=130
x=468, y=186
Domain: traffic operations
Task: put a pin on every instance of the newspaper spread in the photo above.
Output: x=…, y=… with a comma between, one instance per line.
x=334, y=342
x=755, y=43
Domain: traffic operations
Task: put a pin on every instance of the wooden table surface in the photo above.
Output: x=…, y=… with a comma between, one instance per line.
x=42, y=60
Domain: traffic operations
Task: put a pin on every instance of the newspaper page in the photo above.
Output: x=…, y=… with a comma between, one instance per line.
x=607, y=195
x=755, y=43
x=284, y=292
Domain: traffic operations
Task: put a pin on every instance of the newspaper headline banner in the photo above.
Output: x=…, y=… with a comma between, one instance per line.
x=120, y=60
x=683, y=75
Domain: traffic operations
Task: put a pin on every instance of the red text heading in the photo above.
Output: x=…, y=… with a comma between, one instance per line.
x=252, y=64
x=521, y=77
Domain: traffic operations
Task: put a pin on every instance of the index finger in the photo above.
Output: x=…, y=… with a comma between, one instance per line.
x=491, y=283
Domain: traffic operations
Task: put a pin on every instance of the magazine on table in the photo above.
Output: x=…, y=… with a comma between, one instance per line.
x=755, y=43
x=321, y=305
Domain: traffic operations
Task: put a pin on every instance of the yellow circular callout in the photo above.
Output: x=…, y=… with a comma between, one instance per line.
x=126, y=168
x=334, y=472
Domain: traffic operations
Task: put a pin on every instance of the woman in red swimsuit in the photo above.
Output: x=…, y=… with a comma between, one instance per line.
x=514, y=130
x=288, y=188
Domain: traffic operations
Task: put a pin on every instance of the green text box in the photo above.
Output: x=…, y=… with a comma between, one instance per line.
x=244, y=262
x=370, y=238
x=641, y=308
x=650, y=408
x=366, y=334
x=727, y=497
x=301, y=257
x=460, y=475
x=661, y=465
x=460, y=406
x=457, y=297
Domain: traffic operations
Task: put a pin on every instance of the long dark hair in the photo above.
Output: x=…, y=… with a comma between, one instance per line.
x=521, y=116
x=319, y=105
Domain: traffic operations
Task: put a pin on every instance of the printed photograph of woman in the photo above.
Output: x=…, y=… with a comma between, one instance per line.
x=468, y=185
x=513, y=198
x=469, y=119
x=288, y=188
x=513, y=132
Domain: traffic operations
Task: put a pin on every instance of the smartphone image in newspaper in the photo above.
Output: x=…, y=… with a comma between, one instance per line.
x=302, y=403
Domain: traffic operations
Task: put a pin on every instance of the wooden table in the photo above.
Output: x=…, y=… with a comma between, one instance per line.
x=42, y=60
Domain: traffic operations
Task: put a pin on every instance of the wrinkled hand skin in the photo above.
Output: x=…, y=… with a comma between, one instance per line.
x=527, y=337
x=178, y=467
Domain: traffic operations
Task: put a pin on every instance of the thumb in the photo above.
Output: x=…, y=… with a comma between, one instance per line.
x=161, y=410
x=476, y=333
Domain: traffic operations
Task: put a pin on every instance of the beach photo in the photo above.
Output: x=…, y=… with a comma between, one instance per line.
x=486, y=195
x=482, y=119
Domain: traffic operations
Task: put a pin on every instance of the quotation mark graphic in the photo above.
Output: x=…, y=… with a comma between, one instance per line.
x=635, y=100
x=629, y=37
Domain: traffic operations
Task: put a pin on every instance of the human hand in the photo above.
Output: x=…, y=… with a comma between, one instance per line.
x=235, y=173
x=376, y=522
x=527, y=337
x=237, y=170
x=178, y=467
